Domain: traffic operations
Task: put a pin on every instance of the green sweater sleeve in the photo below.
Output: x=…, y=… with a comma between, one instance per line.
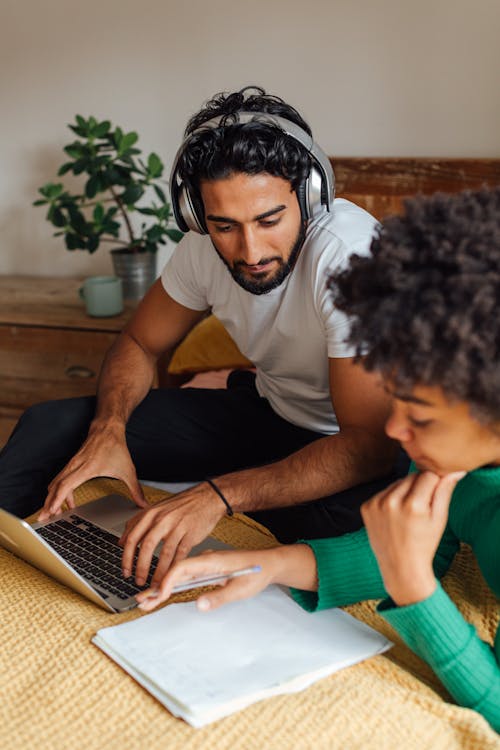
x=467, y=666
x=348, y=571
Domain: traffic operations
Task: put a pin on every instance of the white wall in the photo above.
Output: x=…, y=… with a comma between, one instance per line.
x=373, y=77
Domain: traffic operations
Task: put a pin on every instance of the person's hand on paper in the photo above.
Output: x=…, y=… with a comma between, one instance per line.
x=405, y=523
x=291, y=565
x=180, y=522
x=104, y=453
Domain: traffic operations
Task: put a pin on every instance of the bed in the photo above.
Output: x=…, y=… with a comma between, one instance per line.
x=59, y=691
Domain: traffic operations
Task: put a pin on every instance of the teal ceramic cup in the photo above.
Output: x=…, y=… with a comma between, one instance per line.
x=103, y=296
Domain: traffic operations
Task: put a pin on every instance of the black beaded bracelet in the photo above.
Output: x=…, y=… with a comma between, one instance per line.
x=230, y=511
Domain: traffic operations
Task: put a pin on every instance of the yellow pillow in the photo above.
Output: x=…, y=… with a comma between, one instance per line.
x=207, y=347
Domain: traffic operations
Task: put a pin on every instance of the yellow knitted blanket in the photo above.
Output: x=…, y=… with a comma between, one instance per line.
x=59, y=692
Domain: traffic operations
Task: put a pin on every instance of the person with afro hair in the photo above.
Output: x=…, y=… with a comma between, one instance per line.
x=424, y=307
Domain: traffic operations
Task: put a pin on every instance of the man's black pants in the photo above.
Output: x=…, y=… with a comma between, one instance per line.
x=178, y=435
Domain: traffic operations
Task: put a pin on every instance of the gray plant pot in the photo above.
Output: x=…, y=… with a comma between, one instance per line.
x=137, y=270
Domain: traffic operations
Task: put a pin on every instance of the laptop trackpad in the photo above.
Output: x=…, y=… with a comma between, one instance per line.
x=113, y=511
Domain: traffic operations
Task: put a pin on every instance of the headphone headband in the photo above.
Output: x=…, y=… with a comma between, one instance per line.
x=314, y=196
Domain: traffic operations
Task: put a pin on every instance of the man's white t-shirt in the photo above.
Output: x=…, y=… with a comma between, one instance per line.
x=290, y=332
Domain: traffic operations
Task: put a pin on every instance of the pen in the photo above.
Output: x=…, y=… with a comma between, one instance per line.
x=195, y=583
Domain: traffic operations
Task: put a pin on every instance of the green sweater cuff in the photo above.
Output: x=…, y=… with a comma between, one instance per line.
x=347, y=572
x=437, y=632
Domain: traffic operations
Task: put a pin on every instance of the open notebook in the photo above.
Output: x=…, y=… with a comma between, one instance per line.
x=203, y=666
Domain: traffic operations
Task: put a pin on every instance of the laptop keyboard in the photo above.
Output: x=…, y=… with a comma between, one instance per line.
x=94, y=554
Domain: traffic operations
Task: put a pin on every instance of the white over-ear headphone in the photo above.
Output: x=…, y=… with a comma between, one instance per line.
x=315, y=194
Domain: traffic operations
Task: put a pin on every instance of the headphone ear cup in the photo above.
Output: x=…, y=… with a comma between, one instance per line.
x=314, y=198
x=309, y=195
x=189, y=211
x=199, y=211
x=301, y=193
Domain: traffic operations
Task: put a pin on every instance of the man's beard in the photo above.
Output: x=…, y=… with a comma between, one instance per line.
x=257, y=286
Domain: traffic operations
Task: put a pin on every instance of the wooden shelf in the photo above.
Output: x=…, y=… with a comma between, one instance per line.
x=49, y=347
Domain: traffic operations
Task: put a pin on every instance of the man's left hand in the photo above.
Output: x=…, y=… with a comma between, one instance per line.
x=180, y=522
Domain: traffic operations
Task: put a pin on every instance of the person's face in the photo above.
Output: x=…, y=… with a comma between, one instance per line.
x=255, y=225
x=440, y=434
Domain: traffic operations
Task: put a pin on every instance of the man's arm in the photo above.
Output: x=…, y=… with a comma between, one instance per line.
x=359, y=452
x=126, y=377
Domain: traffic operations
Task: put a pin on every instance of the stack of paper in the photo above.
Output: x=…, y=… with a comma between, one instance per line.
x=203, y=666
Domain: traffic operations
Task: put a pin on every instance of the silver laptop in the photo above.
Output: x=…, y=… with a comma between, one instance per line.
x=80, y=549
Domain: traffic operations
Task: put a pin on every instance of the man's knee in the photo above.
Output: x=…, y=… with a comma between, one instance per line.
x=61, y=419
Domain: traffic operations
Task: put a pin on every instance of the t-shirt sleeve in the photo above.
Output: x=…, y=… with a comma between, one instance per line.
x=337, y=327
x=337, y=324
x=184, y=276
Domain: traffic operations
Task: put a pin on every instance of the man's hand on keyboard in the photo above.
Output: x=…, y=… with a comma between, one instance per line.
x=181, y=522
x=103, y=454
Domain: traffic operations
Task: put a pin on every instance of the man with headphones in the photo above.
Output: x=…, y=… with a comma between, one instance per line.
x=300, y=444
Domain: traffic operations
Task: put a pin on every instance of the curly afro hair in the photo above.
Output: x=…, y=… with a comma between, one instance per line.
x=425, y=304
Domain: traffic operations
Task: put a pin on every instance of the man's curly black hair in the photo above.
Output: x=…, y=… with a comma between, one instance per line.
x=249, y=148
x=425, y=304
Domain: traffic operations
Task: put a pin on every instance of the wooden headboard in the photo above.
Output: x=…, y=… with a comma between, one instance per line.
x=381, y=185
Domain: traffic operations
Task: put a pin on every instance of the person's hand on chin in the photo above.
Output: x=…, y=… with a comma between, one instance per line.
x=405, y=523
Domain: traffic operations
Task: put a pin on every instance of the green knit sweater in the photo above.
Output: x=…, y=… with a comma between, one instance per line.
x=434, y=628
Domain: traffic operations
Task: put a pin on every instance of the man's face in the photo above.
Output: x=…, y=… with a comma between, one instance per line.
x=255, y=225
x=439, y=434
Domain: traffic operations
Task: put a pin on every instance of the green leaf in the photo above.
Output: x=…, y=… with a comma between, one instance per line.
x=128, y=163
x=58, y=219
x=155, y=165
x=93, y=243
x=163, y=212
x=154, y=233
x=131, y=194
x=128, y=140
x=118, y=174
x=79, y=166
x=40, y=203
x=72, y=241
x=51, y=190
x=117, y=137
x=147, y=211
x=159, y=192
x=110, y=227
x=102, y=128
x=92, y=186
x=103, y=160
x=175, y=235
x=74, y=150
x=98, y=213
x=92, y=122
x=82, y=132
x=77, y=220
x=65, y=168
x=82, y=122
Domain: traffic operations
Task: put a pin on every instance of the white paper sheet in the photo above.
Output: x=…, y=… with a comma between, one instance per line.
x=206, y=665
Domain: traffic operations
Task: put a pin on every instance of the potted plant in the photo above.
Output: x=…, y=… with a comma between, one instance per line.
x=118, y=183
